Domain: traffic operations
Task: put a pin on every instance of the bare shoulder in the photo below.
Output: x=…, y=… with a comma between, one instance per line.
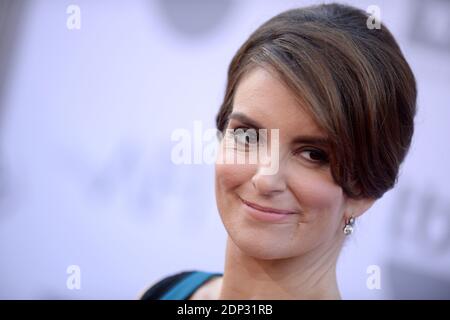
x=210, y=290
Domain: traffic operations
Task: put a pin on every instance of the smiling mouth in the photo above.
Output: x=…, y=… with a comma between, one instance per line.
x=267, y=209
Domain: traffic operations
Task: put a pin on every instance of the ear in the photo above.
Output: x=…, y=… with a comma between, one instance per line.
x=356, y=207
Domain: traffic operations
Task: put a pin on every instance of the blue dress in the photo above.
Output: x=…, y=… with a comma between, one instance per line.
x=179, y=286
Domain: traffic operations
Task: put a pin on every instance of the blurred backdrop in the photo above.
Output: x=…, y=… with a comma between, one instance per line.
x=90, y=93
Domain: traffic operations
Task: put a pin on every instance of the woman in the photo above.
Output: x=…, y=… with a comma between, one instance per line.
x=343, y=99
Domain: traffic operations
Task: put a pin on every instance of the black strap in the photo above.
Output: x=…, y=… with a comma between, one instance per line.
x=161, y=287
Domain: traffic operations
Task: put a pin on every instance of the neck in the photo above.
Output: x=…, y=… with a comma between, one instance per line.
x=309, y=276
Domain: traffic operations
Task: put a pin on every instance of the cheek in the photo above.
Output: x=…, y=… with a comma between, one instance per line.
x=230, y=177
x=320, y=197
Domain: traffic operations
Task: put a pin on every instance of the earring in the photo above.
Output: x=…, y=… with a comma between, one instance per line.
x=348, y=228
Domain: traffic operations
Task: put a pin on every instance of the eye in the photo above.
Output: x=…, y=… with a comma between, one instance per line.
x=245, y=136
x=313, y=155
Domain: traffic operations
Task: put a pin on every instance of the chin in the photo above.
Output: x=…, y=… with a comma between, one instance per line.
x=264, y=244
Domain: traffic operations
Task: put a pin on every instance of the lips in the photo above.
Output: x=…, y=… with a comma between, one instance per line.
x=267, y=209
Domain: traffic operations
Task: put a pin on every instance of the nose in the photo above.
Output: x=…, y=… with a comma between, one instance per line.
x=269, y=184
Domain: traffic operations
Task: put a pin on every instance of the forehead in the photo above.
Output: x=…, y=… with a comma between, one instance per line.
x=262, y=96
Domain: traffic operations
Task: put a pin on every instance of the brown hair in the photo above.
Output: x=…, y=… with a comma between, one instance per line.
x=353, y=80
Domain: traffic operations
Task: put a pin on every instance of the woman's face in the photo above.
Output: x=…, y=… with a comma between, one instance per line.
x=310, y=204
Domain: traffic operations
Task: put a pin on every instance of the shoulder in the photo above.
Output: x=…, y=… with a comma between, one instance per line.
x=158, y=289
x=181, y=286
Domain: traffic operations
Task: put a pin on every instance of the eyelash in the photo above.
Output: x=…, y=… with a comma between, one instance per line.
x=243, y=131
x=323, y=158
x=322, y=155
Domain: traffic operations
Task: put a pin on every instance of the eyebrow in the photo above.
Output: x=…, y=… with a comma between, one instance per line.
x=245, y=120
x=306, y=139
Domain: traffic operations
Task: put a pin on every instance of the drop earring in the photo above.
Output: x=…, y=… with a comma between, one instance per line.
x=348, y=228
